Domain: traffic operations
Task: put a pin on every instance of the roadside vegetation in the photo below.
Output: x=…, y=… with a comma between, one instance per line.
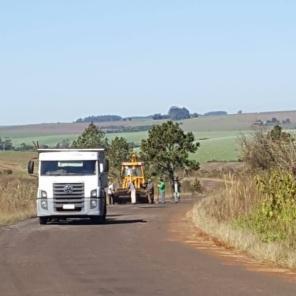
x=17, y=190
x=256, y=210
x=17, y=199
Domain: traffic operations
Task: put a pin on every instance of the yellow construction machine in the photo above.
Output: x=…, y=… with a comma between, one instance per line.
x=132, y=172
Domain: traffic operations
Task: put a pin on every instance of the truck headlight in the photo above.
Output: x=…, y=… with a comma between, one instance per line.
x=94, y=193
x=44, y=204
x=93, y=203
x=43, y=194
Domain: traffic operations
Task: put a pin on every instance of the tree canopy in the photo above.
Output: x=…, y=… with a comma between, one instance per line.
x=167, y=149
x=118, y=151
x=176, y=113
x=99, y=118
x=6, y=144
x=277, y=134
x=92, y=137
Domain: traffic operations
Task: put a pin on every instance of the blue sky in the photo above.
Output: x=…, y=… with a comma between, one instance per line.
x=60, y=60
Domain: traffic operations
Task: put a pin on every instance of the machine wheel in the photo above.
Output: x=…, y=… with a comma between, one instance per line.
x=43, y=220
x=114, y=199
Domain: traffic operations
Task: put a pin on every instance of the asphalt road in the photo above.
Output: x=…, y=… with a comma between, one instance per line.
x=134, y=253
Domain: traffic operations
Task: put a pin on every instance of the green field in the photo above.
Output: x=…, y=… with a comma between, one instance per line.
x=218, y=135
x=215, y=145
x=219, y=146
x=50, y=140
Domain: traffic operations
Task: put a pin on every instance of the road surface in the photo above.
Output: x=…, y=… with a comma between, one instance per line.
x=134, y=253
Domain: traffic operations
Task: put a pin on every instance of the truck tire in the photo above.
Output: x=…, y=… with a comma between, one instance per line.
x=43, y=220
x=105, y=210
x=98, y=220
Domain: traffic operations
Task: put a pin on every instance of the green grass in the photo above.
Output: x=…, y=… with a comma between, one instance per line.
x=218, y=145
x=215, y=145
x=135, y=137
x=50, y=140
x=16, y=161
x=219, y=149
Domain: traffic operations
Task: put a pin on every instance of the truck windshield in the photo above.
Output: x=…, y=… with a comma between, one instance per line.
x=68, y=168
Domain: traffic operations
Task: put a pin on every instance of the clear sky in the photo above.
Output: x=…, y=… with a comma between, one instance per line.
x=64, y=59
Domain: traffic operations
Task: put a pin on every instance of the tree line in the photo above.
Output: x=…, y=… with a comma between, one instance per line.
x=174, y=113
x=6, y=144
x=166, y=150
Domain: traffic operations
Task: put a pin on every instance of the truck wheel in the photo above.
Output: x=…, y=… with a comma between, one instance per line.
x=105, y=210
x=98, y=220
x=43, y=220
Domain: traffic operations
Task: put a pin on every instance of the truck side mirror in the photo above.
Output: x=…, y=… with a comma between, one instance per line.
x=31, y=166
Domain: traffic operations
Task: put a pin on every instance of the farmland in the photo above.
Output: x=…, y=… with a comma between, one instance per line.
x=218, y=135
x=216, y=145
x=236, y=122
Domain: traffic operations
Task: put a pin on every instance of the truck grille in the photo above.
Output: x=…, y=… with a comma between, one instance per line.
x=65, y=194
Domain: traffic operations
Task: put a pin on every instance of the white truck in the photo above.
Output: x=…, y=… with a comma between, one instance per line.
x=71, y=184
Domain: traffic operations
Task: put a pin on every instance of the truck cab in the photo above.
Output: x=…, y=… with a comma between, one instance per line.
x=71, y=184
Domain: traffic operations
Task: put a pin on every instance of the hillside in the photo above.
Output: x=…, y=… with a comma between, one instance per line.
x=203, y=123
x=236, y=122
x=218, y=135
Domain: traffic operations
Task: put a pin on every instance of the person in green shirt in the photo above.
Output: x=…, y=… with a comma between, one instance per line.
x=161, y=188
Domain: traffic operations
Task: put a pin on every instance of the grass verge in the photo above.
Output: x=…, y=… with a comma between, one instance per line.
x=17, y=199
x=218, y=216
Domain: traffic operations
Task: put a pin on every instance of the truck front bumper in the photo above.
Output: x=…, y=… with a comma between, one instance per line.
x=49, y=208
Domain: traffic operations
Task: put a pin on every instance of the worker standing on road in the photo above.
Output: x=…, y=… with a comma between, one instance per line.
x=133, y=191
x=150, y=191
x=111, y=191
x=161, y=188
x=177, y=189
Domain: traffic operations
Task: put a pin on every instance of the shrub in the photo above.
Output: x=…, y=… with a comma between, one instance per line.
x=17, y=198
x=274, y=219
x=196, y=186
x=238, y=198
x=265, y=151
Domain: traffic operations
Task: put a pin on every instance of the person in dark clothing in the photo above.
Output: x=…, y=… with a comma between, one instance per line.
x=150, y=191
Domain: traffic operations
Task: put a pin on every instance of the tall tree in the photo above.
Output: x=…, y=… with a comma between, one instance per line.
x=92, y=137
x=118, y=151
x=6, y=144
x=167, y=149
